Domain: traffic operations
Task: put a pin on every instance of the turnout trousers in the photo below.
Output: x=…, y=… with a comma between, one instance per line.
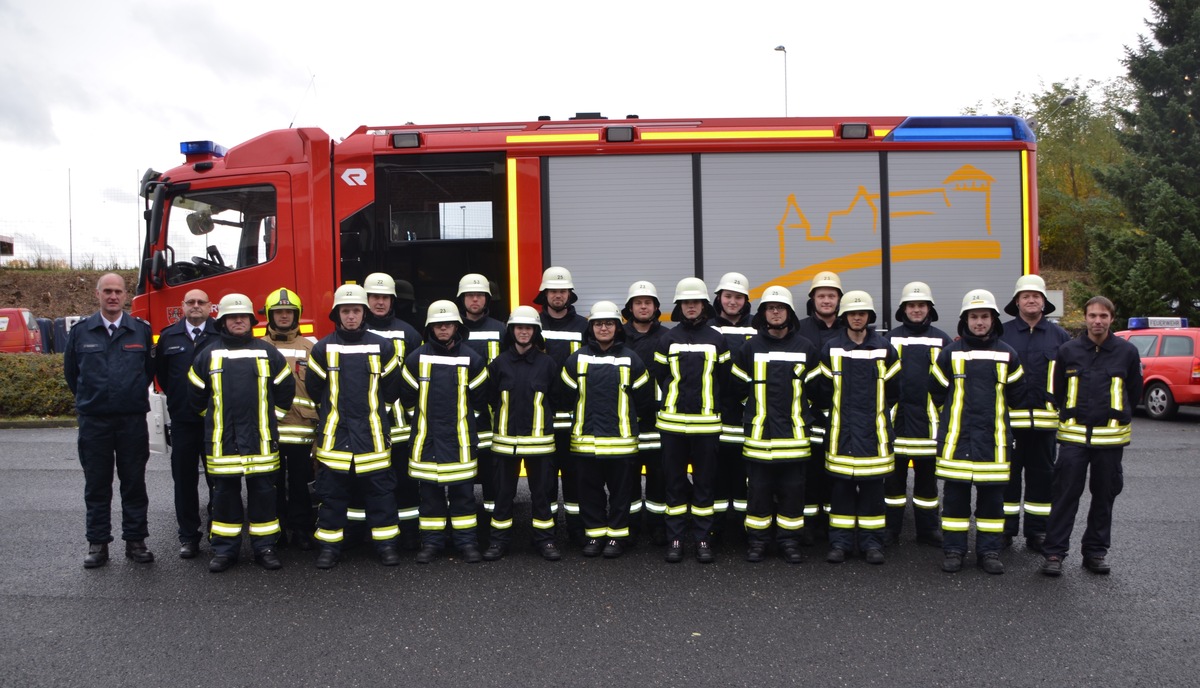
x=1034, y=458
x=647, y=509
x=775, y=491
x=729, y=496
x=1105, y=483
x=856, y=504
x=605, y=515
x=291, y=488
x=229, y=518
x=407, y=495
x=956, y=516
x=334, y=489
x=539, y=473
x=187, y=461
x=924, y=495
x=121, y=442
x=565, y=466
x=679, y=450
x=818, y=485
x=448, y=503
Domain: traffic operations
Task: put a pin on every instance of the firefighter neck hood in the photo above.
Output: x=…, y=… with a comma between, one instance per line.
x=977, y=342
x=380, y=322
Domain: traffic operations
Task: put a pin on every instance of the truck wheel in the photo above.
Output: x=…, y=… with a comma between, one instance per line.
x=1160, y=405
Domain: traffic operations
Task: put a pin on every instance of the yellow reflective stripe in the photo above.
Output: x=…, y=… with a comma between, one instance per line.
x=958, y=525
x=265, y=528
x=220, y=529
x=786, y=523
x=989, y=525
x=426, y=523
x=463, y=522
x=385, y=532
x=325, y=535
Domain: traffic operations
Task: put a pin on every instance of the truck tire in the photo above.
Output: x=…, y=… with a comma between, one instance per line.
x=1160, y=405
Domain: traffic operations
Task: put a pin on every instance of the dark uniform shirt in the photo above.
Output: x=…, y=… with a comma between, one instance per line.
x=109, y=375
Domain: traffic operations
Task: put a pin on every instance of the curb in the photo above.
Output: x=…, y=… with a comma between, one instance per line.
x=34, y=423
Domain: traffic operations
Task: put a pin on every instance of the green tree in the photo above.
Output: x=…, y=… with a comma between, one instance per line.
x=1155, y=267
x=1076, y=125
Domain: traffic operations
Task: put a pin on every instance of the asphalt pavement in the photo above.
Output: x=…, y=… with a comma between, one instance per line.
x=624, y=622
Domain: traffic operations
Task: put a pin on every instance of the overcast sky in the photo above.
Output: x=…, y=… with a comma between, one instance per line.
x=94, y=93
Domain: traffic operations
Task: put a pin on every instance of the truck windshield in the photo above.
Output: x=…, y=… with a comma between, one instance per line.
x=211, y=231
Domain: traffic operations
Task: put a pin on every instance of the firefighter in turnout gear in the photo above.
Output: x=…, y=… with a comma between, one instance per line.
x=1034, y=420
x=859, y=385
x=563, y=330
x=774, y=371
x=283, y=310
x=241, y=384
x=382, y=319
x=485, y=335
x=609, y=389
x=974, y=382
x=354, y=376
x=691, y=366
x=642, y=333
x=1097, y=382
x=731, y=303
x=519, y=383
x=918, y=343
x=445, y=387
x=820, y=325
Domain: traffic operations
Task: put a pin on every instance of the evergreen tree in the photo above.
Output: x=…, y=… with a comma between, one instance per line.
x=1156, y=266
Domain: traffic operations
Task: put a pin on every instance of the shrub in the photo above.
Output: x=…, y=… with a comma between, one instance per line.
x=34, y=386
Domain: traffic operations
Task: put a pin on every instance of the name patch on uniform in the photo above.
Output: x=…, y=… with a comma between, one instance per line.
x=133, y=347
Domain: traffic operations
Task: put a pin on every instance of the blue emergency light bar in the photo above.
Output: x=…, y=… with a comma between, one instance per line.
x=1143, y=323
x=965, y=128
x=202, y=148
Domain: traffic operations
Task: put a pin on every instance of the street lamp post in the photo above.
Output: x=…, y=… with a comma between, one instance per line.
x=1066, y=100
x=780, y=48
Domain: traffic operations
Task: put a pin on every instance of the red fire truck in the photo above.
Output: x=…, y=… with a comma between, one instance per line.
x=951, y=201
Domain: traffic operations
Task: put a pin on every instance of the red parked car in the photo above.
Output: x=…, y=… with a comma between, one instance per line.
x=19, y=331
x=1170, y=363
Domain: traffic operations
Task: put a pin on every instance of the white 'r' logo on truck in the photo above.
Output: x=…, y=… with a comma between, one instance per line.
x=355, y=176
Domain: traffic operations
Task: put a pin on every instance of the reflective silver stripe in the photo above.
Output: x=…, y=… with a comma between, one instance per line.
x=353, y=348
x=562, y=335
x=445, y=360
x=484, y=334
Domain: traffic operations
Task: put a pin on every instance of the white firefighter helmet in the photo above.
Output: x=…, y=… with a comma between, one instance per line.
x=525, y=315
x=978, y=298
x=349, y=295
x=236, y=304
x=474, y=282
x=777, y=294
x=642, y=288
x=1033, y=283
x=556, y=278
x=442, y=311
x=825, y=278
x=691, y=288
x=604, y=310
x=857, y=301
x=380, y=283
x=734, y=281
x=916, y=292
